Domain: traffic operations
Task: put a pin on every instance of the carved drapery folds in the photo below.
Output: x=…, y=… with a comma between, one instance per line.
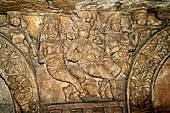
x=93, y=55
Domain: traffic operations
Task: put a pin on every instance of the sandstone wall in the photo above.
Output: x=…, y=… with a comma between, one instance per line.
x=85, y=61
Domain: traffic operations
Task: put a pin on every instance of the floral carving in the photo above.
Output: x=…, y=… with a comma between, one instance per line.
x=86, y=56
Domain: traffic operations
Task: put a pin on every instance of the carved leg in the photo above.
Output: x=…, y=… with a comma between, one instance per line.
x=113, y=68
x=68, y=91
x=79, y=75
x=113, y=89
x=65, y=76
x=102, y=89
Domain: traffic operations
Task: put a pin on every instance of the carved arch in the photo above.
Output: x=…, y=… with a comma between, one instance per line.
x=144, y=70
x=19, y=77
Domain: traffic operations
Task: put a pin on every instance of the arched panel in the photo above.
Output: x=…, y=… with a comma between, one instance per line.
x=145, y=67
x=18, y=75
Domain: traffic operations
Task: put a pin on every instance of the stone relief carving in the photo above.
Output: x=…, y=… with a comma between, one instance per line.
x=92, y=55
x=16, y=66
x=146, y=64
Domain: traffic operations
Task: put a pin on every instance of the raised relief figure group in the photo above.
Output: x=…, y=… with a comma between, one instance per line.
x=90, y=44
x=93, y=52
x=72, y=60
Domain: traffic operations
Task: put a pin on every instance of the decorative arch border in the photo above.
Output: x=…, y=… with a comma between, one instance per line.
x=19, y=77
x=146, y=65
x=157, y=73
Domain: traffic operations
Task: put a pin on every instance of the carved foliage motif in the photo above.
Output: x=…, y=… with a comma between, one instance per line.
x=97, y=54
x=17, y=74
x=15, y=67
x=145, y=67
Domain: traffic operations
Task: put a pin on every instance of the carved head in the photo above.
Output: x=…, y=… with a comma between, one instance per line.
x=87, y=15
x=14, y=18
x=3, y=20
x=115, y=25
x=141, y=16
x=125, y=22
x=115, y=22
x=51, y=27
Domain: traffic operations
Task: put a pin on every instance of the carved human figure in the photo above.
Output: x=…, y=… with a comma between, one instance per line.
x=141, y=17
x=141, y=31
x=118, y=46
x=112, y=44
x=51, y=27
x=114, y=23
x=97, y=38
x=126, y=22
x=3, y=20
x=94, y=61
x=20, y=37
x=18, y=40
x=52, y=53
x=87, y=16
x=14, y=18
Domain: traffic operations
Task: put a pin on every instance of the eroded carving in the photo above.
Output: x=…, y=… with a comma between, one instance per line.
x=15, y=64
x=145, y=67
x=95, y=55
x=19, y=77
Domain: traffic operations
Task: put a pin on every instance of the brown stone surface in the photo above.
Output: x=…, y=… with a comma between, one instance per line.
x=6, y=102
x=88, y=60
x=63, y=4
x=162, y=88
x=71, y=5
x=24, y=5
x=50, y=90
x=33, y=24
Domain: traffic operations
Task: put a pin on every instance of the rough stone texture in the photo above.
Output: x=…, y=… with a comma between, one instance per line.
x=6, y=102
x=49, y=93
x=33, y=24
x=24, y=5
x=93, y=56
x=162, y=88
x=71, y=5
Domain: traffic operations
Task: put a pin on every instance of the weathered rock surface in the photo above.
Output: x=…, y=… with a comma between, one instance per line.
x=6, y=101
x=162, y=88
x=84, y=56
x=70, y=5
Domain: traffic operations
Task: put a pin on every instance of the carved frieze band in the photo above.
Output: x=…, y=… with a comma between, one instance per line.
x=97, y=55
